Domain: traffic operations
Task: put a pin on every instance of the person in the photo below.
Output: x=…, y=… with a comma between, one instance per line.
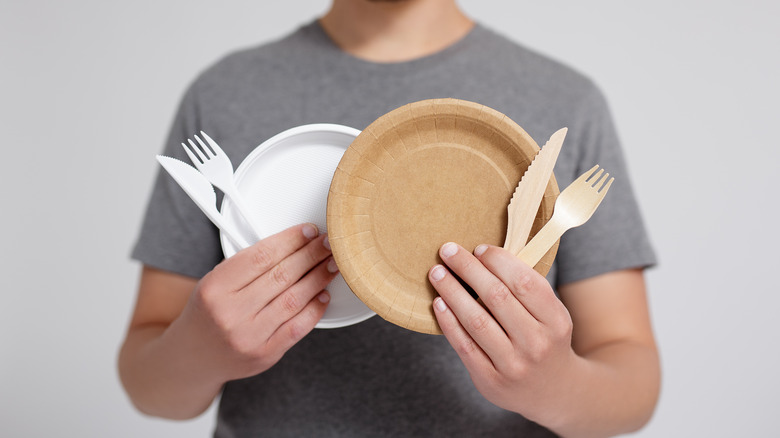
x=570, y=355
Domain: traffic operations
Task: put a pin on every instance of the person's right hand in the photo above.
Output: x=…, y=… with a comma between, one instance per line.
x=251, y=308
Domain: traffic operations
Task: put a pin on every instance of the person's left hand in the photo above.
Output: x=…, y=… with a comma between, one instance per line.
x=517, y=348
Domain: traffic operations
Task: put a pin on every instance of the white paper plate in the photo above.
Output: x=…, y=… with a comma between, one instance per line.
x=285, y=182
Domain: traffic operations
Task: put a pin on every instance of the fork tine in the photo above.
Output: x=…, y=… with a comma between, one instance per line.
x=197, y=150
x=214, y=146
x=605, y=187
x=587, y=175
x=601, y=182
x=193, y=158
x=594, y=180
x=204, y=148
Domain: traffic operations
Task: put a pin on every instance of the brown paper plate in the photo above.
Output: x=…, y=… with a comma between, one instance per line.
x=427, y=173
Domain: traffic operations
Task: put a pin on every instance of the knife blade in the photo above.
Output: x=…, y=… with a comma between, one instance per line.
x=522, y=208
x=200, y=190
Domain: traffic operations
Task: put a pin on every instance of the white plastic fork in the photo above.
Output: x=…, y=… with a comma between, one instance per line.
x=216, y=166
x=201, y=191
x=574, y=206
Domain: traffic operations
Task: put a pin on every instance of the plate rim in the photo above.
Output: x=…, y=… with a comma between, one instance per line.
x=369, y=137
x=248, y=162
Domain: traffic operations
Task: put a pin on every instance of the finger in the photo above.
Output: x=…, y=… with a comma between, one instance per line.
x=293, y=330
x=285, y=274
x=470, y=353
x=496, y=295
x=250, y=263
x=530, y=287
x=292, y=301
x=477, y=322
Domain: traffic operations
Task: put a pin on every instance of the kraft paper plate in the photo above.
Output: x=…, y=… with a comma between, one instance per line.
x=424, y=174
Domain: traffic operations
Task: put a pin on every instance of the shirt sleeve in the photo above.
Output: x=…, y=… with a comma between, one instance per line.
x=615, y=237
x=175, y=235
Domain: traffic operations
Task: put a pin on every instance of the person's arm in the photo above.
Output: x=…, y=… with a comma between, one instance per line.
x=188, y=337
x=612, y=331
x=586, y=371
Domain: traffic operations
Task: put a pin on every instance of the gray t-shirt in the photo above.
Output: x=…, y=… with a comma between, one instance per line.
x=374, y=378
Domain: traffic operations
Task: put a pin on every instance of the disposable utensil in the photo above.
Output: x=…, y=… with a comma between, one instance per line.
x=216, y=166
x=200, y=190
x=574, y=206
x=529, y=192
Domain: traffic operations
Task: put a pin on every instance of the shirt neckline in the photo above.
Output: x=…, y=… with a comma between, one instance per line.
x=348, y=61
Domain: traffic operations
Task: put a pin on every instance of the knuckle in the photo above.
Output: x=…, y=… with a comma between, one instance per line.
x=224, y=325
x=466, y=347
x=263, y=357
x=280, y=275
x=244, y=346
x=208, y=298
x=206, y=293
x=267, y=360
x=299, y=326
x=522, y=283
x=479, y=322
x=313, y=316
x=262, y=258
x=298, y=329
x=516, y=370
x=499, y=293
x=290, y=303
x=312, y=255
x=295, y=332
x=565, y=327
x=539, y=351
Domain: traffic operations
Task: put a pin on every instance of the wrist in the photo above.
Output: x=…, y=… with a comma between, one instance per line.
x=199, y=346
x=607, y=392
x=557, y=402
x=158, y=376
x=563, y=413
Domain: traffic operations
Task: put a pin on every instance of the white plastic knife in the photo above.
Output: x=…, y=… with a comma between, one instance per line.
x=200, y=190
x=528, y=194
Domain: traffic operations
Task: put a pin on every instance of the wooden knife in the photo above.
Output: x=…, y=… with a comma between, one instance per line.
x=528, y=195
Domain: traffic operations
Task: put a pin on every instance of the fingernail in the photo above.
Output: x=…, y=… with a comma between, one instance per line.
x=478, y=251
x=310, y=231
x=438, y=272
x=326, y=243
x=332, y=268
x=323, y=297
x=439, y=304
x=449, y=249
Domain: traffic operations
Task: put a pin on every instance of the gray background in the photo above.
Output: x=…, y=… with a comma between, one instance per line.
x=88, y=88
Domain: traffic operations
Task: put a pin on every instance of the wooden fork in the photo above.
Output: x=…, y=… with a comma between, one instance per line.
x=574, y=206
